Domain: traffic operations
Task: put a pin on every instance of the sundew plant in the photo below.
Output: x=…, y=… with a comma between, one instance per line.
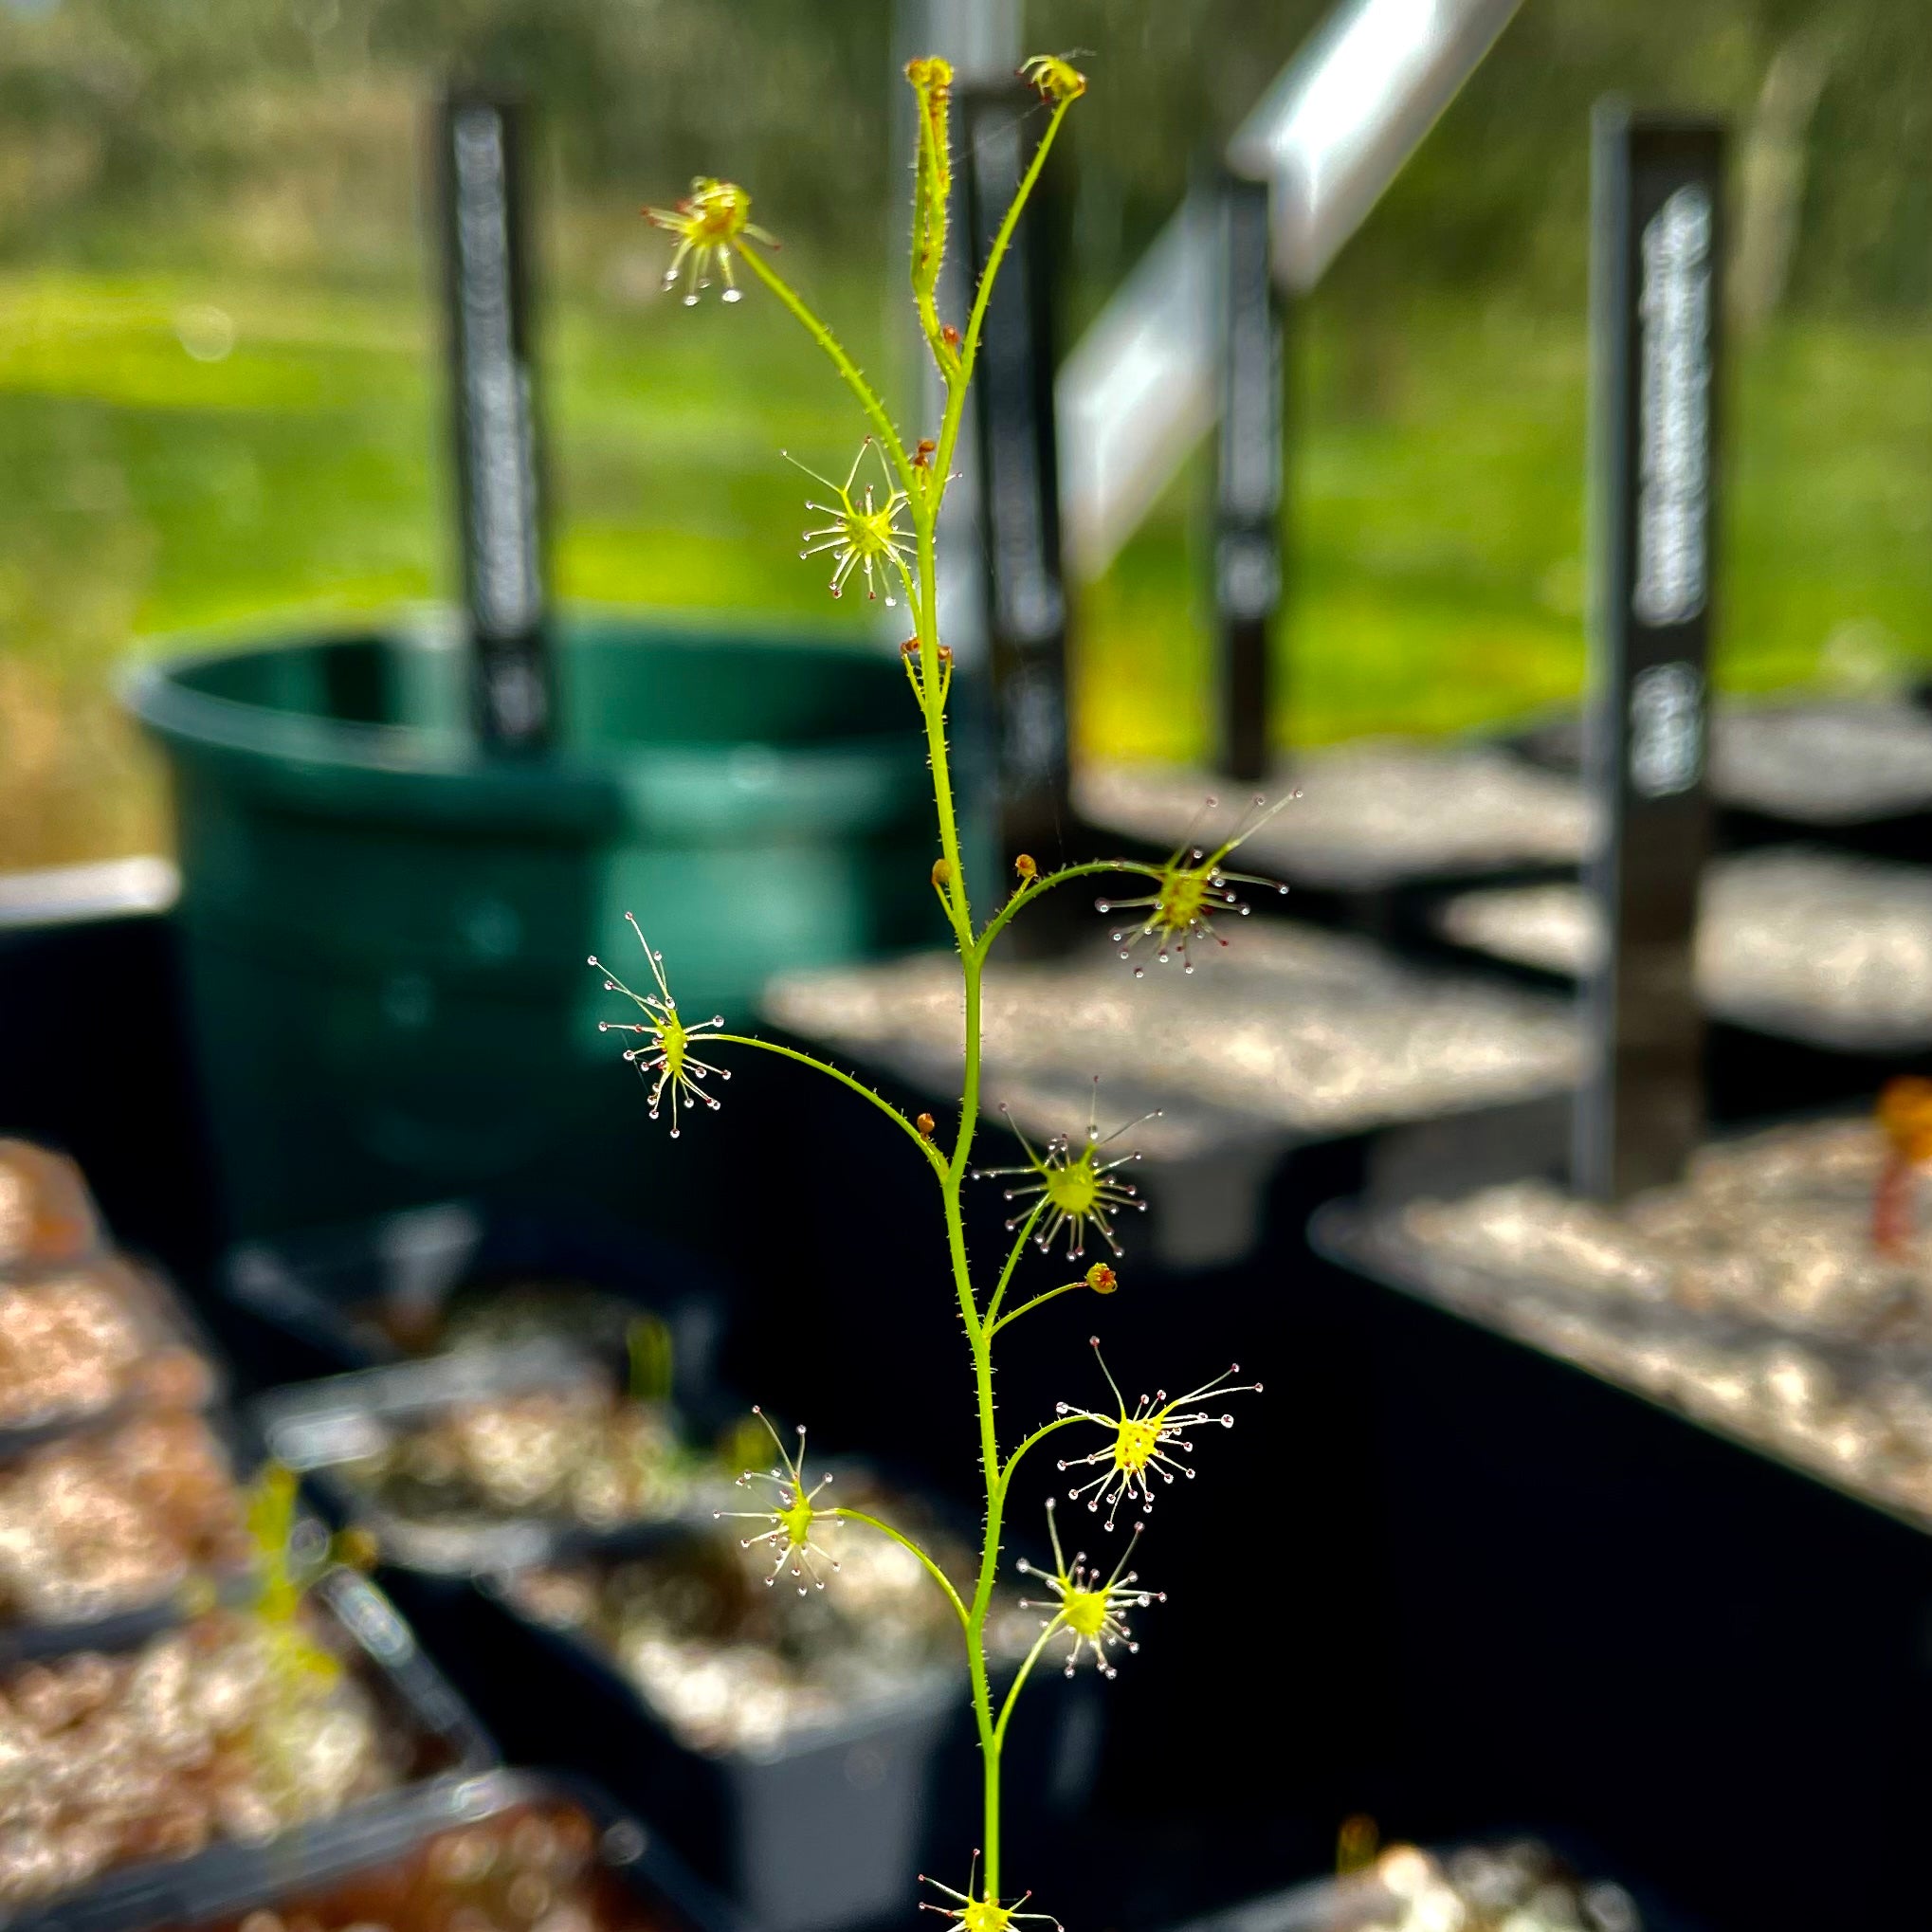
x=877, y=527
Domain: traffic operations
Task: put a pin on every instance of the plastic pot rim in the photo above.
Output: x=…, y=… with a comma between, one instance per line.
x=562, y=789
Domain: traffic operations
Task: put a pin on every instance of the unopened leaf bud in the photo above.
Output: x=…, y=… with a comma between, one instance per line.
x=942, y=873
x=930, y=75
x=1025, y=867
x=1102, y=1278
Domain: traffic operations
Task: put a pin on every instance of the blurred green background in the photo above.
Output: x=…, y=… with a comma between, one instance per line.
x=220, y=403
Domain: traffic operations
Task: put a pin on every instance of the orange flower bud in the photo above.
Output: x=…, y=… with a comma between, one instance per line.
x=1905, y=1114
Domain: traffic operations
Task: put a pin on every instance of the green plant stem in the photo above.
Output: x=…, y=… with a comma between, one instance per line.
x=1012, y=1261
x=971, y=969
x=1001, y=920
x=926, y=493
x=1014, y=1314
x=905, y=1541
x=854, y=377
x=1012, y=1695
x=960, y=904
x=929, y=244
x=1040, y=1435
x=969, y=348
x=934, y=1157
x=982, y=1602
x=971, y=959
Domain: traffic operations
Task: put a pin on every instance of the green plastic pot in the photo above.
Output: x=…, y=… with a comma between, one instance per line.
x=386, y=928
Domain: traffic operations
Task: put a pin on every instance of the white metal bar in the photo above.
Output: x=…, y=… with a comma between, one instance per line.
x=1329, y=136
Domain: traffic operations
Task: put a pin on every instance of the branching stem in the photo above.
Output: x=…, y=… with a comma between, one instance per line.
x=854, y=377
x=905, y=1541
x=935, y=1159
x=1012, y=1695
x=1045, y=882
x=969, y=348
x=1039, y=1435
x=1051, y=1294
x=1012, y=1261
x=925, y=488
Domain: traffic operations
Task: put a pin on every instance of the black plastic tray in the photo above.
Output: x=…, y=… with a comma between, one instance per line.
x=1731, y=1654
x=317, y=1426
x=306, y=1863
x=312, y=1299
x=1369, y=1243
x=1329, y=1904
x=141, y=1896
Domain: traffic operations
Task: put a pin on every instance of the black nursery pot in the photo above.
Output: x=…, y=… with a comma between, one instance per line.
x=320, y=1428
x=1731, y=1653
x=636, y=1863
x=831, y=1826
x=381, y=1291
x=824, y=1830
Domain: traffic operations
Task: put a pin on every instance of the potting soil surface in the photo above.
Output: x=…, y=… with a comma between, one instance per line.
x=1809, y=944
x=1376, y=812
x=1371, y=813
x=1750, y=1297
x=732, y=1665
x=1286, y=1031
x=1520, y=1887
x=1823, y=762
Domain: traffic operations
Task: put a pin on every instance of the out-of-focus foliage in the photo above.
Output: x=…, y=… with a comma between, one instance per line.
x=1495, y=197
x=284, y=128
x=220, y=398
x=277, y=126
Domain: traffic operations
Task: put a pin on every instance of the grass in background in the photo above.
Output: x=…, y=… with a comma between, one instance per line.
x=1437, y=575
x=163, y=474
